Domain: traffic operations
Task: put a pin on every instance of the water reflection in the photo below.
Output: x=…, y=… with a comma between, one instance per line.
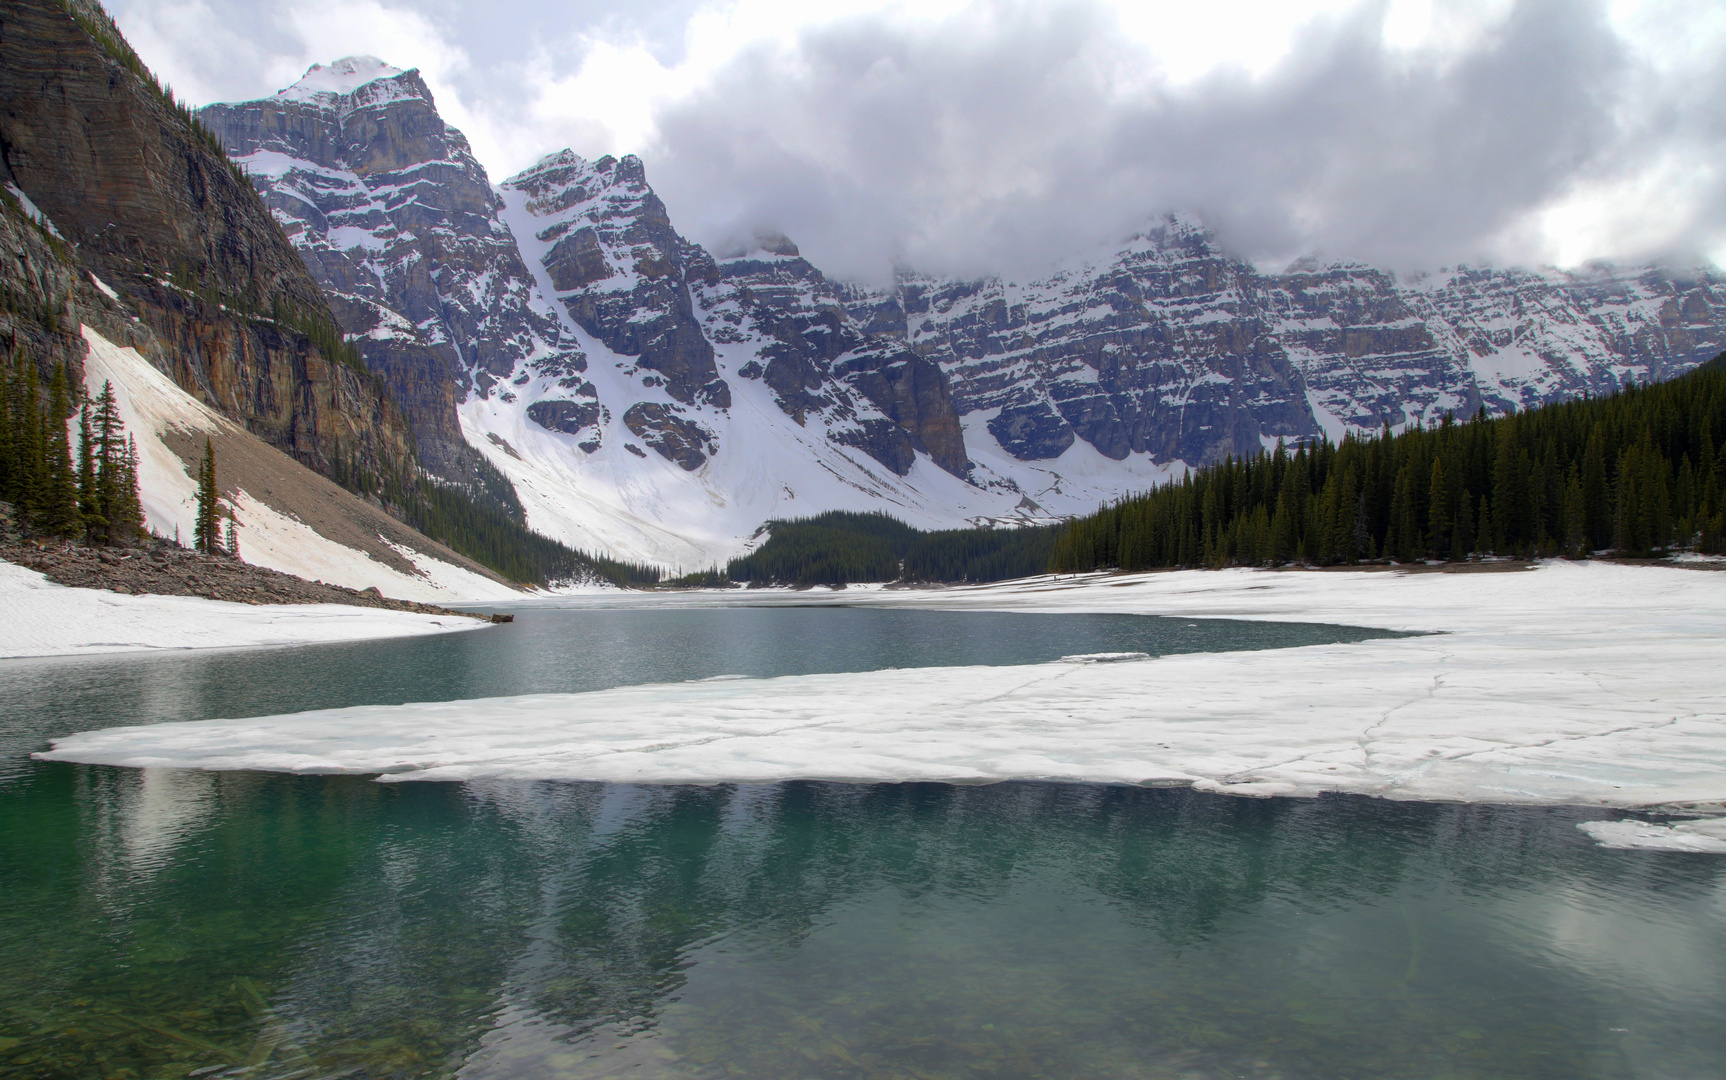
x=163, y=923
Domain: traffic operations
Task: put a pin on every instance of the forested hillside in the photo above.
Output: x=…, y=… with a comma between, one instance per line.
x=839, y=548
x=1638, y=472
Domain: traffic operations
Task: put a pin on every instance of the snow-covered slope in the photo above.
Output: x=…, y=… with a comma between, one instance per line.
x=657, y=402
x=288, y=518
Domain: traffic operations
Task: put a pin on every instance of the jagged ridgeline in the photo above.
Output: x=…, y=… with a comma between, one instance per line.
x=203, y=281
x=840, y=548
x=1639, y=472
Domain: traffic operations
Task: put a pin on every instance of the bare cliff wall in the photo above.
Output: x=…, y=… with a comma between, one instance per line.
x=144, y=200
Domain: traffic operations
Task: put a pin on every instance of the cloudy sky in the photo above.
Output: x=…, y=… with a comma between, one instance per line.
x=975, y=136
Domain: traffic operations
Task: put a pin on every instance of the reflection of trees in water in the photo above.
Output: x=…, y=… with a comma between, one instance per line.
x=344, y=922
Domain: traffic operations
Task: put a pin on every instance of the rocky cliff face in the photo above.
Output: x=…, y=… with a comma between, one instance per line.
x=1170, y=348
x=400, y=225
x=145, y=202
x=658, y=401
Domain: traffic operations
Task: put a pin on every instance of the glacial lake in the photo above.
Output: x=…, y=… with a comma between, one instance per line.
x=166, y=923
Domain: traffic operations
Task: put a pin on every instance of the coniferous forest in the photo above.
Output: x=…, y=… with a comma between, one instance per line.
x=839, y=548
x=1637, y=473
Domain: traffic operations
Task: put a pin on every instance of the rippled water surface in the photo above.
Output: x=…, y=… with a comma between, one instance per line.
x=169, y=923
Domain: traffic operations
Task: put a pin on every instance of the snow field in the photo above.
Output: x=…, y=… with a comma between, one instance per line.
x=44, y=619
x=1569, y=684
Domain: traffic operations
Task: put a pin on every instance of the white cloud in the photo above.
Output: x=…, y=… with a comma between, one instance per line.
x=970, y=135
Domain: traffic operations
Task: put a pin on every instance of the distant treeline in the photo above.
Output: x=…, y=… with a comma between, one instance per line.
x=1639, y=472
x=840, y=548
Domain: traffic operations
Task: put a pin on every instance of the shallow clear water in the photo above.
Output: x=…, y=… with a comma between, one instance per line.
x=164, y=923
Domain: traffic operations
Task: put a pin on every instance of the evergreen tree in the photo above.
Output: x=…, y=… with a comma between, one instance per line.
x=1439, y=515
x=32, y=450
x=89, y=496
x=58, y=512
x=127, y=508
x=206, y=531
x=8, y=428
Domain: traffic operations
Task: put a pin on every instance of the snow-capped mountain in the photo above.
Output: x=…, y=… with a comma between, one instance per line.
x=655, y=401
x=399, y=223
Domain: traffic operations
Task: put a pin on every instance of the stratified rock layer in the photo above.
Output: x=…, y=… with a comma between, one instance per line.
x=146, y=203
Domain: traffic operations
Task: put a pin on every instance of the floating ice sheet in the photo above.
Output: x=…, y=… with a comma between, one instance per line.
x=1570, y=684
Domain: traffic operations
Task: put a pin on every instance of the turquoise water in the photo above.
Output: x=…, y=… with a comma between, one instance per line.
x=170, y=923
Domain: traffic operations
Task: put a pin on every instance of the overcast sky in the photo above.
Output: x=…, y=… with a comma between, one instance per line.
x=998, y=136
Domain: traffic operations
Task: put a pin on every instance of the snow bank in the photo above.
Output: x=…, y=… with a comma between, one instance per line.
x=1586, y=684
x=44, y=619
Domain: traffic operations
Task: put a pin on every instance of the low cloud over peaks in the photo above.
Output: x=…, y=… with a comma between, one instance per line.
x=1001, y=136
x=1006, y=143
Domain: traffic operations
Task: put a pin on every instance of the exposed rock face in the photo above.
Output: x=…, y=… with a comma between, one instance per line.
x=620, y=269
x=683, y=441
x=152, y=209
x=1175, y=350
x=396, y=219
x=820, y=360
x=569, y=417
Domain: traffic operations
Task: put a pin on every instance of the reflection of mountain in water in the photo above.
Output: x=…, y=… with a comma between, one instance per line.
x=493, y=928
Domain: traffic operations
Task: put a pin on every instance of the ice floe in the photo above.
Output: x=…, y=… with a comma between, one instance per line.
x=1573, y=683
x=1704, y=837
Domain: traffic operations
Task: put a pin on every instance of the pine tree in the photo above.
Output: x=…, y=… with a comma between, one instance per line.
x=232, y=541
x=89, y=496
x=32, y=451
x=1439, y=514
x=127, y=508
x=8, y=428
x=58, y=512
x=206, y=532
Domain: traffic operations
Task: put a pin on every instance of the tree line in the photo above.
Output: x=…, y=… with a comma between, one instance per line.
x=1636, y=473
x=89, y=491
x=840, y=548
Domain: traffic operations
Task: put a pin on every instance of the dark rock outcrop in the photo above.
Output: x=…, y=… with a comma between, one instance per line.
x=677, y=439
x=913, y=393
x=1033, y=432
x=569, y=417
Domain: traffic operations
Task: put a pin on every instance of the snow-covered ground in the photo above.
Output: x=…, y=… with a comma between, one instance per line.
x=44, y=619
x=1573, y=683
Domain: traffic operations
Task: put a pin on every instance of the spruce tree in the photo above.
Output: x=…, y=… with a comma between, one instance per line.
x=1438, y=514
x=32, y=451
x=8, y=428
x=58, y=513
x=206, y=533
x=89, y=496
x=127, y=508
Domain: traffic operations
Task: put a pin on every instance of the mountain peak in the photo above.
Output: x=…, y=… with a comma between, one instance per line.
x=341, y=77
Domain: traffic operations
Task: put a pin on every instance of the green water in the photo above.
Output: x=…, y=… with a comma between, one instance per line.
x=170, y=923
